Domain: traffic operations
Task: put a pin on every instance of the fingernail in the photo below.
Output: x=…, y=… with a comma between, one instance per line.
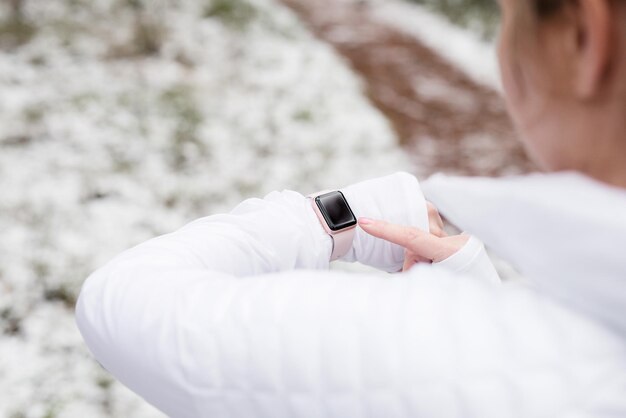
x=366, y=221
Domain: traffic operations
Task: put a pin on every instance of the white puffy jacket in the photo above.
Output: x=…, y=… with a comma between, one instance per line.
x=237, y=315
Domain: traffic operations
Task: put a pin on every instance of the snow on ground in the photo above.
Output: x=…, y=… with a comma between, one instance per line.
x=461, y=47
x=119, y=122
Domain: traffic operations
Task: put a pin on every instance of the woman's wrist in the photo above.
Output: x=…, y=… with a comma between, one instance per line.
x=396, y=198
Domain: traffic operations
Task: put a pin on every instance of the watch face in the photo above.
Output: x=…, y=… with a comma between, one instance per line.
x=336, y=211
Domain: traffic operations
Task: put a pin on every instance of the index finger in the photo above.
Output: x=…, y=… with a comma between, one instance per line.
x=414, y=239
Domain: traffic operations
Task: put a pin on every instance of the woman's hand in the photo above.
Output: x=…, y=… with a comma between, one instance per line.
x=420, y=246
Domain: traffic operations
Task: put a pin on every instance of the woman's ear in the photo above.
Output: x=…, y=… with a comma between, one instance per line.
x=595, y=32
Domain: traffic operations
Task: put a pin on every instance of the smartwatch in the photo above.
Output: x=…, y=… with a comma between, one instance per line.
x=337, y=218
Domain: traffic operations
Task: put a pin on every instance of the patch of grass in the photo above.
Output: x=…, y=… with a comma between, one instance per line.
x=62, y=293
x=34, y=114
x=15, y=32
x=303, y=115
x=179, y=102
x=235, y=13
x=51, y=412
x=134, y=4
x=82, y=100
x=148, y=37
x=11, y=324
x=38, y=60
x=104, y=382
x=67, y=30
x=77, y=4
x=120, y=161
x=19, y=140
x=147, y=40
x=40, y=268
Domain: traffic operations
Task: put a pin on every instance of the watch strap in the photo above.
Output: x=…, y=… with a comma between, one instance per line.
x=342, y=242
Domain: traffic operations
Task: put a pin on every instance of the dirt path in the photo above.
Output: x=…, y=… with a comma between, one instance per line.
x=444, y=120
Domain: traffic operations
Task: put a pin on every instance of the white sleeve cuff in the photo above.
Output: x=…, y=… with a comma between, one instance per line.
x=471, y=260
x=398, y=199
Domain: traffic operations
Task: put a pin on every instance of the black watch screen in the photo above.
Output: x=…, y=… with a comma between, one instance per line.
x=335, y=210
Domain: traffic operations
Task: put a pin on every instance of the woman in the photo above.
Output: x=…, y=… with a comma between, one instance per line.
x=214, y=320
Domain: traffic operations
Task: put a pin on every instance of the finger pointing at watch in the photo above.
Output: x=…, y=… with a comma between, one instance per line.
x=420, y=245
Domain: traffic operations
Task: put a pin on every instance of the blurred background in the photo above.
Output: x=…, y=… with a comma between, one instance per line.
x=124, y=119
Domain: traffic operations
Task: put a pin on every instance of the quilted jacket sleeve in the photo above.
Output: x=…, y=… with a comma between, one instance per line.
x=227, y=318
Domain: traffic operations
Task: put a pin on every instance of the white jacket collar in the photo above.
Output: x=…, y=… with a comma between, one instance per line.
x=565, y=232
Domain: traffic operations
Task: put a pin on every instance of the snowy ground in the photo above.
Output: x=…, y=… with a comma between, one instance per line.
x=118, y=123
x=461, y=47
x=437, y=84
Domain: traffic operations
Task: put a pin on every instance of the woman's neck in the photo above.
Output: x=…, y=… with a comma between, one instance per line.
x=602, y=146
x=613, y=174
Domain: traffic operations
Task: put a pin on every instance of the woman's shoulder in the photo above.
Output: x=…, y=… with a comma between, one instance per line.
x=564, y=231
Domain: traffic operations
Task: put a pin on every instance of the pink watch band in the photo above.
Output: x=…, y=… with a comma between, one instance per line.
x=342, y=240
